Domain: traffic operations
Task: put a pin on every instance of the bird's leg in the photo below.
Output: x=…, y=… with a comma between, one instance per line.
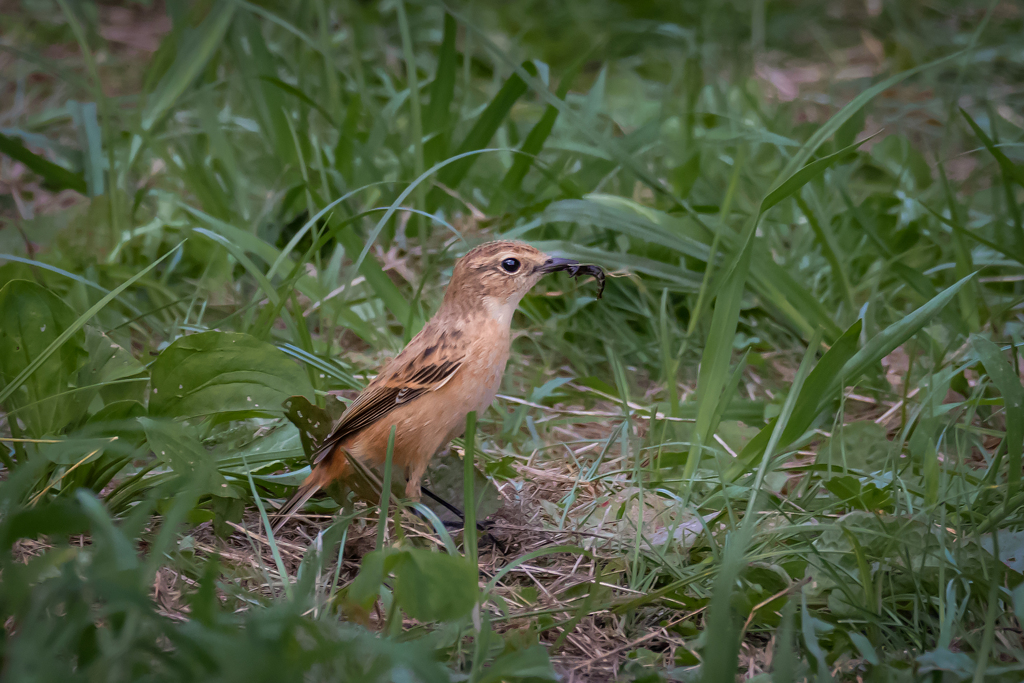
x=415, y=476
x=481, y=526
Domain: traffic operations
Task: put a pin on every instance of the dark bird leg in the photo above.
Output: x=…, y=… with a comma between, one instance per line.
x=481, y=526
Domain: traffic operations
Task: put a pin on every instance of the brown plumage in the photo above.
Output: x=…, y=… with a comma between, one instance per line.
x=453, y=366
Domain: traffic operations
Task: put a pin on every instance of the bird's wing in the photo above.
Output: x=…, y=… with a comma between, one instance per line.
x=405, y=384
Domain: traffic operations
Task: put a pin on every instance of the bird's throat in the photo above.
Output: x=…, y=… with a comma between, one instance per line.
x=501, y=311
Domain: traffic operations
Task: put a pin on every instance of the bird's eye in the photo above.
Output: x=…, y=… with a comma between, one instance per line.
x=510, y=265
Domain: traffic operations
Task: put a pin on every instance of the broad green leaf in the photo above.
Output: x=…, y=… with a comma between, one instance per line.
x=108, y=361
x=76, y=449
x=282, y=445
x=1008, y=382
x=32, y=319
x=226, y=374
x=363, y=590
x=530, y=664
x=175, y=444
x=313, y=422
x=959, y=665
x=435, y=586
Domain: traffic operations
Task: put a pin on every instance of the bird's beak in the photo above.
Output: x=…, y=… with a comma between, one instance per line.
x=575, y=270
x=553, y=265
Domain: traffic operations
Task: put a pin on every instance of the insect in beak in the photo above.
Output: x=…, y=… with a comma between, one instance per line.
x=575, y=270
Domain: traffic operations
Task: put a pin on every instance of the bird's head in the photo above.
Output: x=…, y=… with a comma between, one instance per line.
x=497, y=275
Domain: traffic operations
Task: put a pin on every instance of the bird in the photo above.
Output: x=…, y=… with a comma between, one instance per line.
x=453, y=366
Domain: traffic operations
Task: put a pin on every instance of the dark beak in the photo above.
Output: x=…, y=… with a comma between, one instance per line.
x=553, y=265
x=575, y=269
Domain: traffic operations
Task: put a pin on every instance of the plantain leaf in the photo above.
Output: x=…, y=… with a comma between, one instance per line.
x=435, y=586
x=31, y=319
x=227, y=374
x=173, y=444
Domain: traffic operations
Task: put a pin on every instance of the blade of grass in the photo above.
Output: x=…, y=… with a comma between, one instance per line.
x=299, y=95
x=385, y=490
x=883, y=343
x=530, y=148
x=826, y=384
x=721, y=661
x=714, y=365
x=1009, y=384
x=402, y=197
x=806, y=174
x=481, y=133
x=780, y=427
x=269, y=531
x=442, y=92
x=723, y=215
x=412, y=82
x=190, y=61
x=469, y=541
x=827, y=241
x=54, y=175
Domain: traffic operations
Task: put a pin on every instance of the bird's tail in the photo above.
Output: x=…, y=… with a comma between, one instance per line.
x=295, y=503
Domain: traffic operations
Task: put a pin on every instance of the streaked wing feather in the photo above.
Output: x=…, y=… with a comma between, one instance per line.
x=376, y=402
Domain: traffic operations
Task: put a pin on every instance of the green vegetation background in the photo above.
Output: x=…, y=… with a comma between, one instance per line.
x=804, y=379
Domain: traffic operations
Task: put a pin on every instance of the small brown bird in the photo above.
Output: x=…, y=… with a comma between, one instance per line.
x=453, y=366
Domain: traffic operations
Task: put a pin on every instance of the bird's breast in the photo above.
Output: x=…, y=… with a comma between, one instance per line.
x=483, y=378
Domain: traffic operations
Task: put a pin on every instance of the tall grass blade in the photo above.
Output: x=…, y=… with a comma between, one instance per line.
x=199, y=47
x=1008, y=382
x=442, y=91
x=469, y=541
x=385, y=490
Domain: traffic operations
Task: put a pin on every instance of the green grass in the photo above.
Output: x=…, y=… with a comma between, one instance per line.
x=786, y=443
